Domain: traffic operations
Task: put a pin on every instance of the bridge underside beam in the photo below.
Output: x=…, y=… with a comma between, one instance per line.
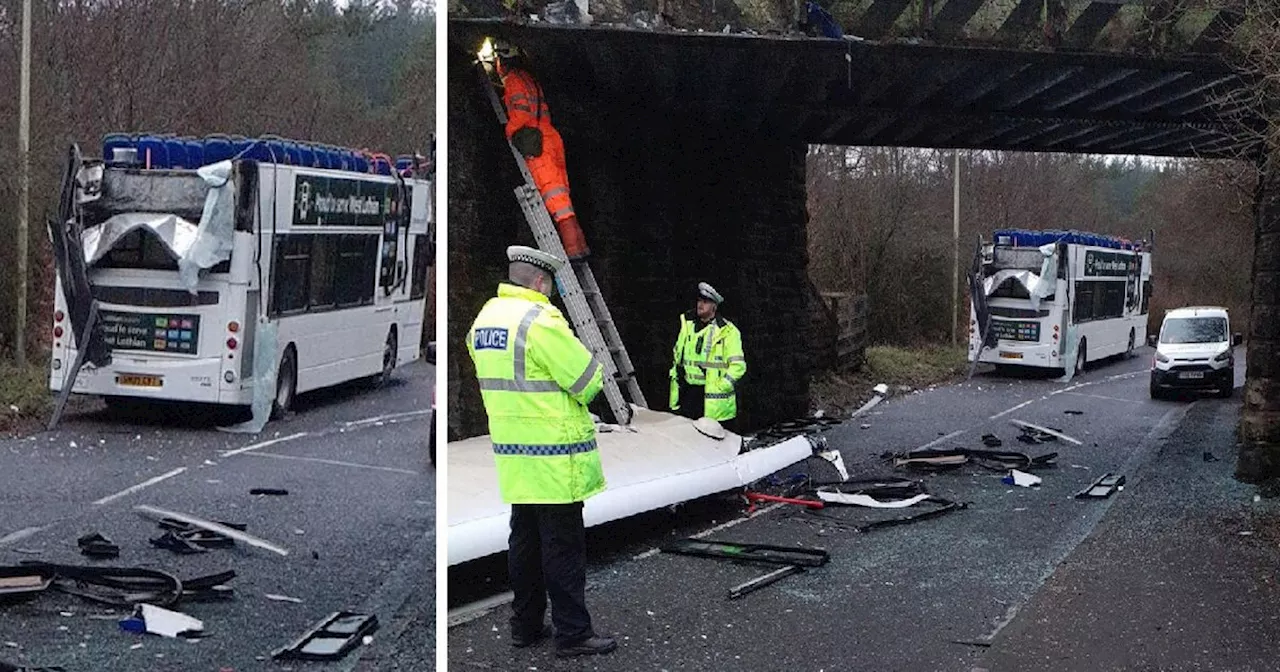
x=859, y=93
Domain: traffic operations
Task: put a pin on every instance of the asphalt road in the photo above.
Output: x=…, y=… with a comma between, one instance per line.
x=358, y=522
x=935, y=595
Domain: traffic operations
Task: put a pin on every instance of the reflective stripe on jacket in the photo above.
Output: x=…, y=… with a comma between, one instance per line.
x=719, y=364
x=536, y=379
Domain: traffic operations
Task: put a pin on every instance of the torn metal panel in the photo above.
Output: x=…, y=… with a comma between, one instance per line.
x=664, y=461
x=1040, y=283
x=161, y=204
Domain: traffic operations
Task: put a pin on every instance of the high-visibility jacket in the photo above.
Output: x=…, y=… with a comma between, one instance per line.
x=709, y=355
x=527, y=108
x=536, y=379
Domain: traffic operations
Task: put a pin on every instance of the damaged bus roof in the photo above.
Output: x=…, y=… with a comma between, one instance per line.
x=659, y=460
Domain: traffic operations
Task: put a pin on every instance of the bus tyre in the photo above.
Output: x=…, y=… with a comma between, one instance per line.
x=286, y=385
x=388, y=359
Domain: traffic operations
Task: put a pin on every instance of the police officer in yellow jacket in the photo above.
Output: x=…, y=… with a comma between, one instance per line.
x=707, y=362
x=536, y=379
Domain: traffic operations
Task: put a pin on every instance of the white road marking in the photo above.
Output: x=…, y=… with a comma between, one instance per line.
x=1099, y=396
x=263, y=444
x=718, y=528
x=1024, y=404
x=145, y=484
x=473, y=610
x=19, y=535
x=387, y=417
x=941, y=439
x=339, y=463
x=1046, y=430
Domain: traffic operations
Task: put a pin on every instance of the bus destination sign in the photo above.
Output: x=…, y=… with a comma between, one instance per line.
x=150, y=331
x=336, y=201
x=1110, y=264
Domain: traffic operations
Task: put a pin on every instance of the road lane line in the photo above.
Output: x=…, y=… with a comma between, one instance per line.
x=1099, y=396
x=1001, y=414
x=263, y=444
x=339, y=463
x=941, y=439
x=145, y=484
x=387, y=417
x=19, y=535
x=718, y=528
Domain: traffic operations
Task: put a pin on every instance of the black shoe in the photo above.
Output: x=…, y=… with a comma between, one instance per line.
x=587, y=647
x=521, y=642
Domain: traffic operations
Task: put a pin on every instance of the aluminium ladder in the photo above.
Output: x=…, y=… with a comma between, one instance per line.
x=588, y=312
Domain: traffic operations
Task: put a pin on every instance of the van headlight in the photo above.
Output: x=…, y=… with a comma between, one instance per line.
x=1224, y=356
x=1160, y=357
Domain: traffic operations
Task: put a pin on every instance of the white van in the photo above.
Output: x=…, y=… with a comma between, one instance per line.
x=1194, y=351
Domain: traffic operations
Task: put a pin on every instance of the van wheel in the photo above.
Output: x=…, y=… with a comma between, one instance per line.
x=286, y=384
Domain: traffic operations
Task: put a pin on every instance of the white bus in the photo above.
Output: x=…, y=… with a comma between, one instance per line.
x=286, y=252
x=1057, y=299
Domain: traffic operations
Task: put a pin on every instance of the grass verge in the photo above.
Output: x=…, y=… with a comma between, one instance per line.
x=902, y=369
x=24, y=395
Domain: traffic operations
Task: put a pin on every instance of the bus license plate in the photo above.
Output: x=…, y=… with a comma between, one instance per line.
x=140, y=381
x=1010, y=355
x=1191, y=375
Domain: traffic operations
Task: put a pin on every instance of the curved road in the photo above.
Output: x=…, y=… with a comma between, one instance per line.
x=909, y=597
x=358, y=520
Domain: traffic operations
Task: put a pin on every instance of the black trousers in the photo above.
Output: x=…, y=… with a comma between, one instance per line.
x=548, y=557
x=693, y=404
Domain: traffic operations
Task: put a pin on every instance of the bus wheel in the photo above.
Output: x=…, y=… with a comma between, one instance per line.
x=1080, y=357
x=389, y=359
x=286, y=385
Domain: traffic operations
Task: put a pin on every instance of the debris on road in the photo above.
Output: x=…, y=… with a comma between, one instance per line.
x=95, y=545
x=755, y=497
x=269, y=491
x=1209, y=457
x=991, y=441
x=1070, y=412
x=283, y=598
x=6, y=666
x=762, y=581
x=330, y=639
x=1021, y=478
x=1104, y=487
x=23, y=582
x=159, y=621
x=213, y=527
x=931, y=459
x=172, y=542
x=728, y=550
x=1037, y=432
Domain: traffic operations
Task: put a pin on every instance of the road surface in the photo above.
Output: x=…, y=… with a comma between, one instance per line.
x=978, y=589
x=358, y=522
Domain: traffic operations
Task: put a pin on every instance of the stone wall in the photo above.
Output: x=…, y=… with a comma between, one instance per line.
x=665, y=202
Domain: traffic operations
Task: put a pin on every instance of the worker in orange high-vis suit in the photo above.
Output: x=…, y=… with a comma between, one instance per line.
x=530, y=131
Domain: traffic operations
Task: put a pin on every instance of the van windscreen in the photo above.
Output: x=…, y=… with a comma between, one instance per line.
x=1194, y=330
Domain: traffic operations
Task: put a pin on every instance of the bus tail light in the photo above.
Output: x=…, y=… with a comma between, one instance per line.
x=58, y=315
x=57, y=332
x=232, y=343
x=233, y=327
